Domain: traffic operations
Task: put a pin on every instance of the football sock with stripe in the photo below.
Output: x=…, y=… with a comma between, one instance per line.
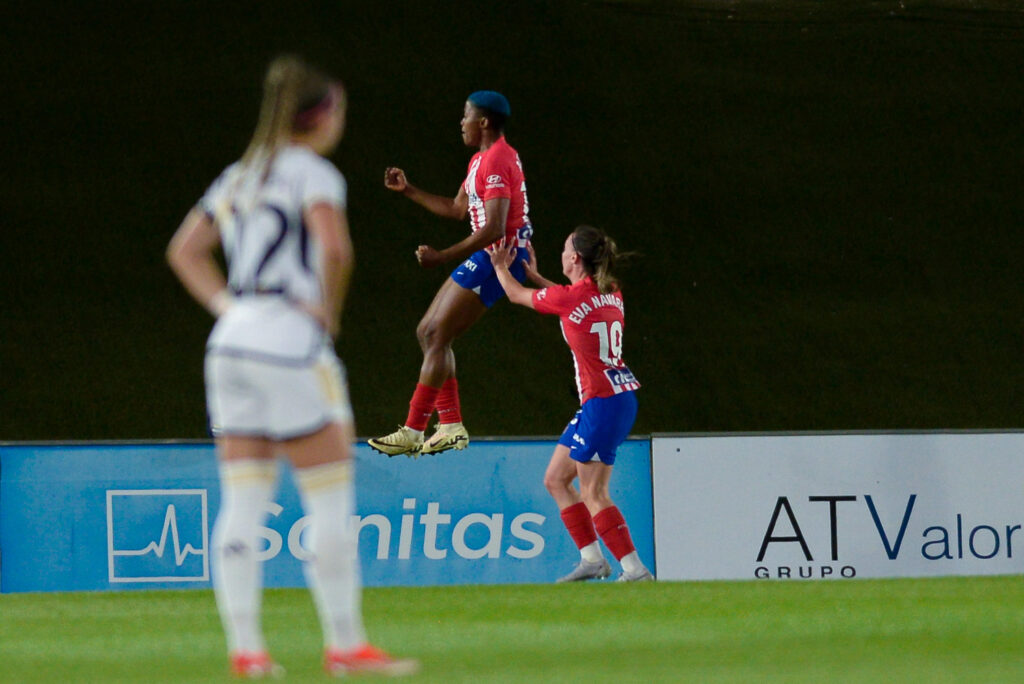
x=421, y=407
x=577, y=521
x=448, y=408
x=333, y=571
x=610, y=524
x=246, y=488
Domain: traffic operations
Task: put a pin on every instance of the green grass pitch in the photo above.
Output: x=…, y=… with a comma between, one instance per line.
x=934, y=630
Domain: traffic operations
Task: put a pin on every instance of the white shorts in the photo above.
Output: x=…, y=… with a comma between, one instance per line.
x=256, y=397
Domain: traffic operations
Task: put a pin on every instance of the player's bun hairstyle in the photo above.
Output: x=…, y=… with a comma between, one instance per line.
x=600, y=254
x=294, y=93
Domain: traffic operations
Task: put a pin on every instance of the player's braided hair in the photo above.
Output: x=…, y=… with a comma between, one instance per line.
x=599, y=253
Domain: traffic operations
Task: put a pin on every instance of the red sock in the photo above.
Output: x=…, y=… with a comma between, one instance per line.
x=447, y=405
x=421, y=407
x=614, y=532
x=576, y=519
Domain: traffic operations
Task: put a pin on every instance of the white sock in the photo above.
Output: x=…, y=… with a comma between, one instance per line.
x=333, y=573
x=246, y=487
x=631, y=563
x=591, y=553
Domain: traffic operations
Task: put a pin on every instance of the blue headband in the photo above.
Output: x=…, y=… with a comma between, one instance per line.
x=490, y=100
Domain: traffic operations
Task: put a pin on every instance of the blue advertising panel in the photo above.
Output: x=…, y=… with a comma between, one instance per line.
x=102, y=517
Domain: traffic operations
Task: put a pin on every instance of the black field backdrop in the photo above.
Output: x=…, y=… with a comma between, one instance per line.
x=827, y=199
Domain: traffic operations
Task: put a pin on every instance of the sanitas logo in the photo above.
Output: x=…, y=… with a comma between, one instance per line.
x=431, y=534
x=938, y=542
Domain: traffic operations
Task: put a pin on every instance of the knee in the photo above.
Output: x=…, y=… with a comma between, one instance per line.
x=555, y=484
x=233, y=533
x=433, y=337
x=329, y=543
x=596, y=498
x=423, y=332
x=587, y=494
x=427, y=333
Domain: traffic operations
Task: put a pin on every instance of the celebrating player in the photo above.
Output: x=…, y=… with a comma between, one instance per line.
x=592, y=319
x=494, y=195
x=273, y=382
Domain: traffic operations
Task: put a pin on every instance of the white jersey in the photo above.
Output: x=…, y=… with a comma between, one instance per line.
x=260, y=218
x=273, y=262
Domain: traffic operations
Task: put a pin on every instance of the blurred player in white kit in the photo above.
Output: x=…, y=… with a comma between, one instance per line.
x=273, y=382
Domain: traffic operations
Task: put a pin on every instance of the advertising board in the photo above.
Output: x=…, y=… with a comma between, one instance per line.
x=96, y=517
x=832, y=506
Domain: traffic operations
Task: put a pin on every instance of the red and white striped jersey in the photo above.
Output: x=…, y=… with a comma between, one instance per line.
x=497, y=172
x=592, y=325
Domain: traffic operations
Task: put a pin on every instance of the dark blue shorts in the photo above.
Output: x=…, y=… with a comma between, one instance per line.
x=477, y=274
x=599, y=427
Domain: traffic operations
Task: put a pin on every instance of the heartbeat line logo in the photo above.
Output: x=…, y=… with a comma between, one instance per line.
x=135, y=553
x=157, y=547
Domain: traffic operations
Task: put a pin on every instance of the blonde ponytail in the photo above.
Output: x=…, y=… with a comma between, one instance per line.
x=289, y=87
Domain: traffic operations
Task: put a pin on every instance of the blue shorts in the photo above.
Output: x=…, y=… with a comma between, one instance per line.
x=599, y=427
x=477, y=274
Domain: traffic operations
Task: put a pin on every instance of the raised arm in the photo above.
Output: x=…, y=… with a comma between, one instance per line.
x=394, y=179
x=501, y=257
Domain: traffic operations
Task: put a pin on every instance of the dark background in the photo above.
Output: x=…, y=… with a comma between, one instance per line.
x=826, y=196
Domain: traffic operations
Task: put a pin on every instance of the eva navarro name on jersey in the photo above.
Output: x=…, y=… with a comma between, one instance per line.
x=579, y=313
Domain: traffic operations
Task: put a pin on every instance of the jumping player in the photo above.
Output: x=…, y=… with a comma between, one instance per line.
x=273, y=381
x=592, y=319
x=494, y=196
